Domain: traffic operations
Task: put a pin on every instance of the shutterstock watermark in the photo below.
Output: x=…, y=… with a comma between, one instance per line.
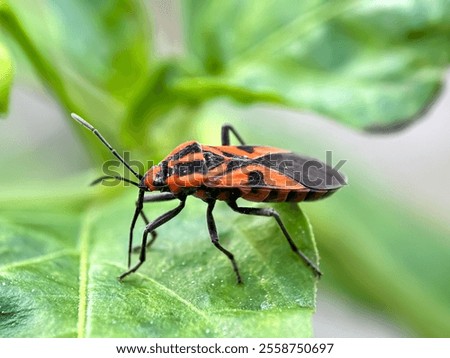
x=272, y=170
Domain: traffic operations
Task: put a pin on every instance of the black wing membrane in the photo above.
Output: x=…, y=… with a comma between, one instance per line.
x=309, y=172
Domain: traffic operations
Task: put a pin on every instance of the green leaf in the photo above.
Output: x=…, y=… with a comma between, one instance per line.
x=93, y=55
x=62, y=270
x=104, y=43
x=365, y=63
x=6, y=77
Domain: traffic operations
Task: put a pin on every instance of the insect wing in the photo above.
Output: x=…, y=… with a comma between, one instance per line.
x=274, y=168
x=310, y=172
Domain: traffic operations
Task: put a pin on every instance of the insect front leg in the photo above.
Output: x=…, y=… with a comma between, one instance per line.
x=215, y=239
x=139, y=206
x=152, y=199
x=226, y=129
x=272, y=212
x=151, y=227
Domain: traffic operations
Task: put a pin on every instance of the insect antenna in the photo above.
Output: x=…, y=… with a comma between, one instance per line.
x=116, y=177
x=105, y=142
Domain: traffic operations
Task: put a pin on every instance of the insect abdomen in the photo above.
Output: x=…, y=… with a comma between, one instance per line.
x=282, y=195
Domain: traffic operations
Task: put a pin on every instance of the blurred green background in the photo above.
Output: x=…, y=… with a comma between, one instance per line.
x=310, y=76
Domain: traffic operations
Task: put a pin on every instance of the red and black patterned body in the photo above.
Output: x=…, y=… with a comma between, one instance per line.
x=254, y=173
x=211, y=173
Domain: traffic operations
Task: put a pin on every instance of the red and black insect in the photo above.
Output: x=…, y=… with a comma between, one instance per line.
x=226, y=172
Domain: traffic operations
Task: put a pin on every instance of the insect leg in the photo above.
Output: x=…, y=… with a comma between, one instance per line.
x=226, y=129
x=151, y=199
x=271, y=212
x=215, y=239
x=151, y=227
x=159, y=197
x=139, y=205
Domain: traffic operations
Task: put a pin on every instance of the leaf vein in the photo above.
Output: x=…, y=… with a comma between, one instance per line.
x=38, y=259
x=170, y=292
x=84, y=268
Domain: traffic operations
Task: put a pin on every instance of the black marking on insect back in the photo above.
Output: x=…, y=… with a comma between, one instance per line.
x=236, y=163
x=164, y=169
x=246, y=148
x=191, y=148
x=196, y=166
x=310, y=172
x=160, y=178
x=256, y=178
x=212, y=160
x=229, y=155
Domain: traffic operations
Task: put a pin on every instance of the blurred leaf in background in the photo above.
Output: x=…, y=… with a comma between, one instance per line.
x=94, y=56
x=369, y=65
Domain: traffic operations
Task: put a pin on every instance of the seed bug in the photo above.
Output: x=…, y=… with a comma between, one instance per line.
x=227, y=173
